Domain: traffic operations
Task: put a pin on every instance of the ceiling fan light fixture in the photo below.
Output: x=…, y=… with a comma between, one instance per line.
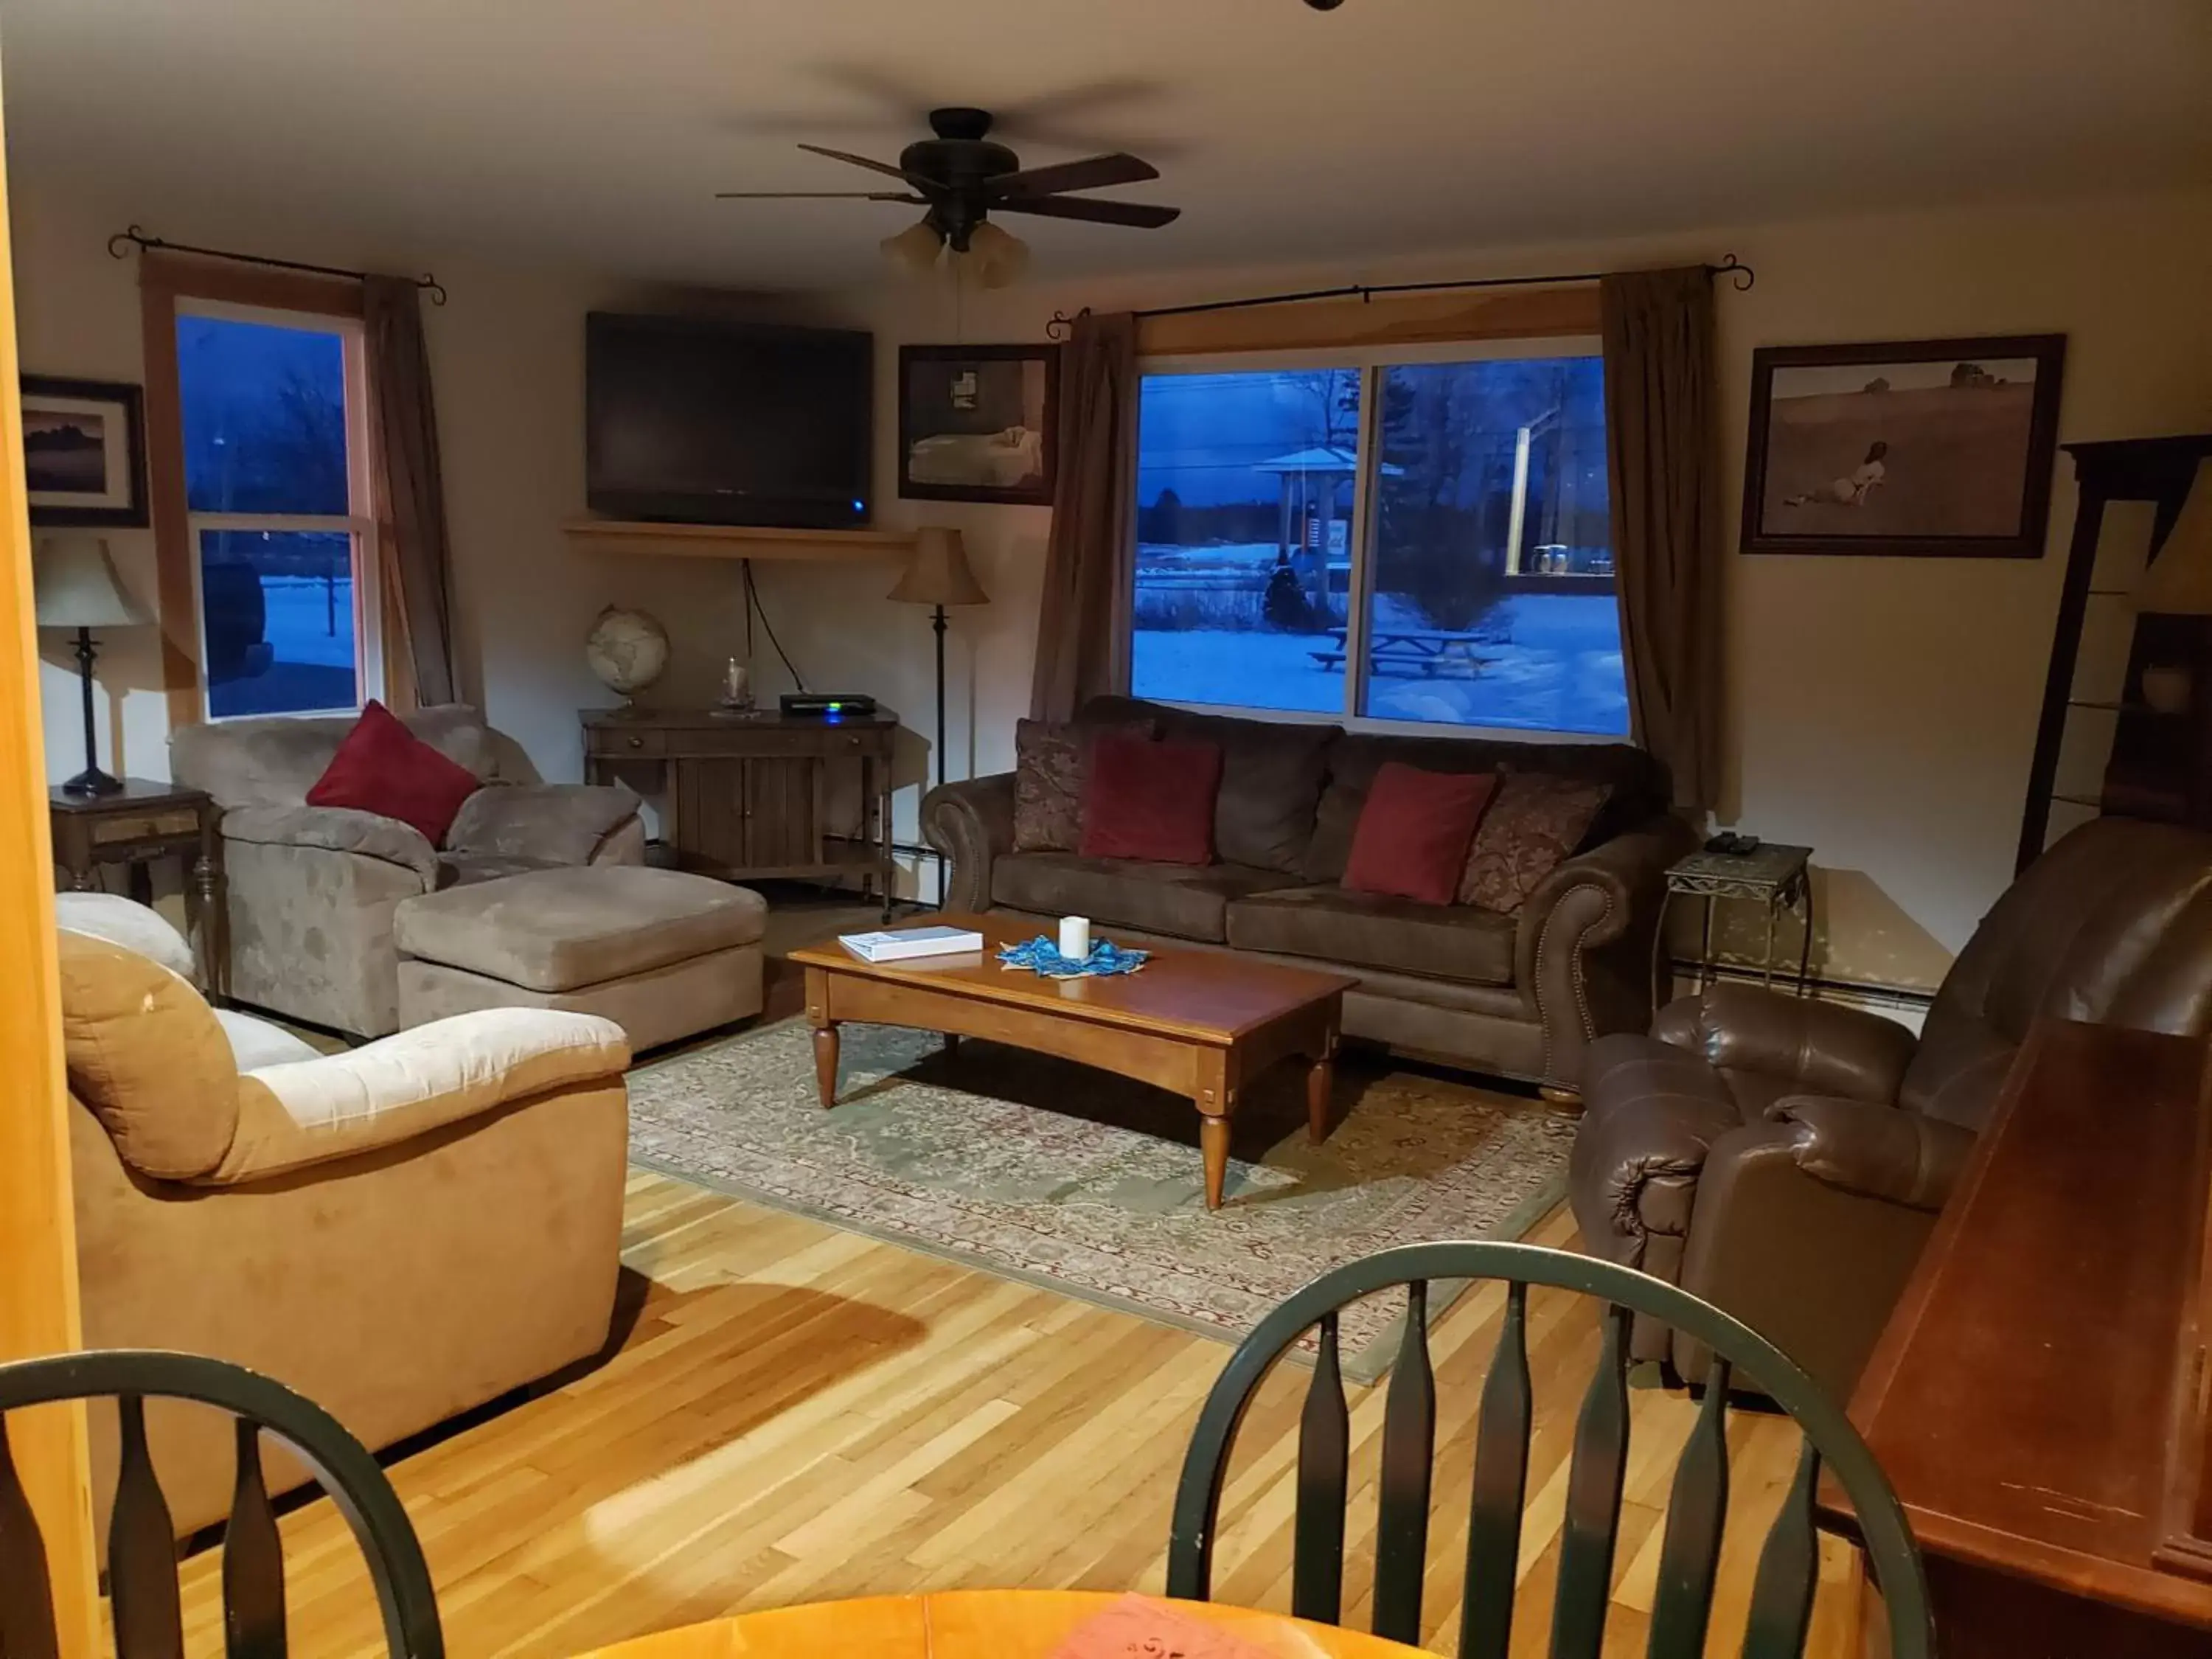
x=961, y=177
x=913, y=251
x=998, y=257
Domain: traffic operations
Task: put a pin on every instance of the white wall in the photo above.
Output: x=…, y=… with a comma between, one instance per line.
x=1882, y=709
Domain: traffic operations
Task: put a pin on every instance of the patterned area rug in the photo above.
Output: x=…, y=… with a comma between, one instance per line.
x=1056, y=1174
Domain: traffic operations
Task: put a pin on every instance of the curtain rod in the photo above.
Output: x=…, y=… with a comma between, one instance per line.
x=116, y=250
x=1742, y=277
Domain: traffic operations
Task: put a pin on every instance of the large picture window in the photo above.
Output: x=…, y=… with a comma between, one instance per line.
x=276, y=478
x=1405, y=538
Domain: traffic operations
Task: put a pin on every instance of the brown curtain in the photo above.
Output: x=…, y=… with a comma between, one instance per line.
x=1083, y=623
x=1662, y=449
x=410, y=493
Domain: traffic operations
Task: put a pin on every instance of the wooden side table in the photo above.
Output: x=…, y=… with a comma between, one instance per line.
x=140, y=823
x=1774, y=875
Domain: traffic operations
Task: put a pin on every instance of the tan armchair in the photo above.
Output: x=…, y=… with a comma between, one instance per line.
x=310, y=889
x=400, y=1232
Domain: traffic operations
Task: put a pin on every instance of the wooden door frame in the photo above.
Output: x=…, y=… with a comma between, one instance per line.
x=39, y=1310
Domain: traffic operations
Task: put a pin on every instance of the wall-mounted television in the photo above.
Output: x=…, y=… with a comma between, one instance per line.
x=698, y=421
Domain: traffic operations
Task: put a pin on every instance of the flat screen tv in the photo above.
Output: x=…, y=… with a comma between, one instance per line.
x=697, y=421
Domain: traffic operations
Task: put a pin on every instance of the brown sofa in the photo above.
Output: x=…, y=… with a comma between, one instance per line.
x=400, y=1232
x=1521, y=995
x=1786, y=1159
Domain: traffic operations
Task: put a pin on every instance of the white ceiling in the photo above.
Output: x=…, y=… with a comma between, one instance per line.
x=595, y=131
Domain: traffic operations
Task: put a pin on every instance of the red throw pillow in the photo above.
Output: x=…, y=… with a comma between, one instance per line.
x=1414, y=831
x=1152, y=800
x=385, y=768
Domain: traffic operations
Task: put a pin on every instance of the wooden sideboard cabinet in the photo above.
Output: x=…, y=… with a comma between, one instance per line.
x=2040, y=1398
x=744, y=796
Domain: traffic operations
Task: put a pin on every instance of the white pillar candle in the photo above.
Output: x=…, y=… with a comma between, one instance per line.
x=1075, y=938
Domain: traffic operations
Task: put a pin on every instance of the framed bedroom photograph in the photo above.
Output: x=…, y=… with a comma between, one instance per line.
x=975, y=422
x=1925, y=448
x=84, y=452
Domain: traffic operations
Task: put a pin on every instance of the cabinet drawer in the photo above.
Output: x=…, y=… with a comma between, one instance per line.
x=774, y=744
x=616, y=741
x=145, y=826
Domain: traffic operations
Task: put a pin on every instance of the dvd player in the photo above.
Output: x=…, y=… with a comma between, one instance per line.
x=822, y=705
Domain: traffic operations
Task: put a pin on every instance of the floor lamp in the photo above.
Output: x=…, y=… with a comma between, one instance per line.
x=76, y=586
x=938, y=575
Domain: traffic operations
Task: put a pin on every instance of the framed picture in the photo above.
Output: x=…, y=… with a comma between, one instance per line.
x=84, y=452
x=1920, y=447
x=975, y=422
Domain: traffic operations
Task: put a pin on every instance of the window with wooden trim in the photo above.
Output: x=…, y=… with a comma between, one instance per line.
x=273, y=423
x=1397, y=535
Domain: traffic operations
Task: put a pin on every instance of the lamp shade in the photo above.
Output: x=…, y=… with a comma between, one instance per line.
x=2179, y=580
x=998, y=258
x=913, y=250
x=938, y=573
x=75, y=584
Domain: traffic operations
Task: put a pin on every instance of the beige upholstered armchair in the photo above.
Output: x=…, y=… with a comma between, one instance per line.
x=400, y=1232
x=311, y=889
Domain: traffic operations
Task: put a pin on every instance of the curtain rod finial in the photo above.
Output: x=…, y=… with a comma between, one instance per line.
x=1740, y=276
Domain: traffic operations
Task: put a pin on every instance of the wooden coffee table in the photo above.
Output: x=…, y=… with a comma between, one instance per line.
x=1202, y=1024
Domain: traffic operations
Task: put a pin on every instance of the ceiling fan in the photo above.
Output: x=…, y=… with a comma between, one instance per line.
x=962, y=178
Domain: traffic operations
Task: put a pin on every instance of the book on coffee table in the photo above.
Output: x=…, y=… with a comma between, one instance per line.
x=904, y=943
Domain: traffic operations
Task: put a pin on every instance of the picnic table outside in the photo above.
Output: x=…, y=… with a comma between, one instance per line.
x=1415, y=651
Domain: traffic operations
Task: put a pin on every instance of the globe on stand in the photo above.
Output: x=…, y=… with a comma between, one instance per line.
x=628, y=650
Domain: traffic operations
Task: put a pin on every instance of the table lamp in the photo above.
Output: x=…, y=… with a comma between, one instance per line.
x=76, y=586
x=2179, y=584
x=938, y=575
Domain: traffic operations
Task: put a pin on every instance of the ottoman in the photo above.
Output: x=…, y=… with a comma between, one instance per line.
x=661, y=953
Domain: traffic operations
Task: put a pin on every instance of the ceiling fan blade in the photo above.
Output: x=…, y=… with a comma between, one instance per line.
x=913, y=178
x=1143, y=215
x=816, y=195
x=1093, y=172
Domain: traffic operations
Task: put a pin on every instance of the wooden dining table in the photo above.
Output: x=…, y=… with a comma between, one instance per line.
x=979, y=1625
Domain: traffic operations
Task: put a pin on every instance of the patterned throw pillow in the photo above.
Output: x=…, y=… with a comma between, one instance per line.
x=1533, y=823
x=1052, y=763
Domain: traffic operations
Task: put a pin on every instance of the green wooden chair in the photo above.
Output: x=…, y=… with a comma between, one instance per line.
x=1782, y=1594
x=142, y=1550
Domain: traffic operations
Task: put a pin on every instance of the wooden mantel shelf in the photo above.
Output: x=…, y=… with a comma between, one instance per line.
x=726, y=541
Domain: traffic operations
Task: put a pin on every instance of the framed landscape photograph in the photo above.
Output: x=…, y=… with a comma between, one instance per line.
x=975, y=422
x=1918, y=447
x=84, y=452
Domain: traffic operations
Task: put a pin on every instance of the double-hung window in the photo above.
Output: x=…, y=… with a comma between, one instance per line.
x=1416, y=535
x=273, y=423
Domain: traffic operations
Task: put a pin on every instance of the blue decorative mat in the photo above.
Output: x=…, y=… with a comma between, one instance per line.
x=1041, y=957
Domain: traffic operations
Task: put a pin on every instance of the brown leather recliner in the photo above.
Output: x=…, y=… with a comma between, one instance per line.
x=1786, y=1159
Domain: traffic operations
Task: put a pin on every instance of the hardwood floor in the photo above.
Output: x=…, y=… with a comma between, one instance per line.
x=800, y=1413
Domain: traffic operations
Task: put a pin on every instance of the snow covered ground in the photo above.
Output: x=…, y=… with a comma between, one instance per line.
x=306, y=622
x=309, y=631
x=1555, y=667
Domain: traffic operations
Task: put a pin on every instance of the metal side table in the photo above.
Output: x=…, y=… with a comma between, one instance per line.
x=1775, y=876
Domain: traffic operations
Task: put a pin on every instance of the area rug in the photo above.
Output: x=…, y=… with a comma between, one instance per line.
x=1059, y=1174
